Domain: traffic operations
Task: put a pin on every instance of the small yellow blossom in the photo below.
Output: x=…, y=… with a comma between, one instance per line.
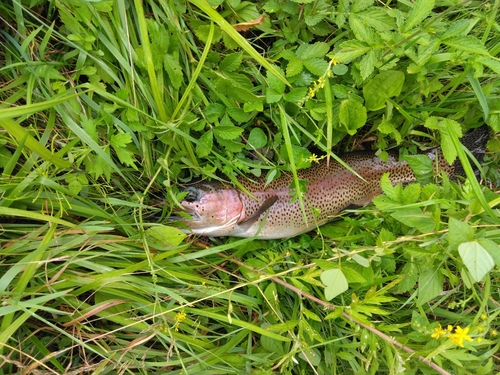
x=480, y=329
x=460, y=335
x=494, y=333
x=479, y=339
x=179, y=317
x=334, y=62
x=450, y=327
x=483, y=316
x=438, y=332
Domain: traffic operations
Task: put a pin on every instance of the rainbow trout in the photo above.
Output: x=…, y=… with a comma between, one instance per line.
x=219, y=209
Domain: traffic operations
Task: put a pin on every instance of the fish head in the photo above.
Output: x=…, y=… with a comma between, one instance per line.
x=214, y=210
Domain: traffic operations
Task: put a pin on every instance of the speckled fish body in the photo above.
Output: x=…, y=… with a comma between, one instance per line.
x=222, y=210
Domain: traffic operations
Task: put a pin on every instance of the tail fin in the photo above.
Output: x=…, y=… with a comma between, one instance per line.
x=475, y=142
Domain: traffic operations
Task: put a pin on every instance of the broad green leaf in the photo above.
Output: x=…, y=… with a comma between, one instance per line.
x=231, y=62
x=352, y=115
x=468, y=44
x=174, y=71
x=393, y=192
x=459, y=28
x=447, y=145
x=382, y=87
x=367, y=64
x=430, y=285
x=477, y=260
x=294, y=67
x=205, y=144
x=362, y=32
x=257, y=138
x=275, y=83
x=490, y=63
x=492, y=248
x=295, y=94
x=378, y=18
x=420, y=164
x=120, y=140
x=309, y=51
x=350, y=50
x=228, y=132
x=415, y=218
x=273, y=96
x=316, y=66
x=421, y=9
x=335, y=283
x=164, y=236
x=459, y=232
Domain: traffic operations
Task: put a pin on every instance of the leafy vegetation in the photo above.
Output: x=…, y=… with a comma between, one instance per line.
x=107, y=107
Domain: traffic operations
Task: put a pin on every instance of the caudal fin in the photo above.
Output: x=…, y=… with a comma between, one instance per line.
x=475, y=142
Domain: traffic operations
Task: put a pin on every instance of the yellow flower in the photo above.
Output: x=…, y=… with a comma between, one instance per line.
x=450, y=327
x=438, y=332
x=480, y=329
x=460, y=335
x=483, y=316
x=479, y=339
x=494, y=333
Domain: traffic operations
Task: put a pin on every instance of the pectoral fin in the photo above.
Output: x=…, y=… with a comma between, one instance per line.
x=246, y=224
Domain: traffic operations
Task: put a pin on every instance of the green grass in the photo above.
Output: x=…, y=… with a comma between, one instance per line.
x=109, y=107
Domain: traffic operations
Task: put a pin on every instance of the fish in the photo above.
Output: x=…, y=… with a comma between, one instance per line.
x=270, y=212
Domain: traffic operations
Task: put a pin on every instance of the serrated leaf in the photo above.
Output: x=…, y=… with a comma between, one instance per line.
x=477, y=260
x=490, y=63
x=415, y=218
x=231, y=62
x=467, y=44
x=382, y=87
x=352, y=115
x=205, y=144
x=459, y=232
x=310, y=51
x=362, y=32
x=257, y=138
x=238, y=115
x=421, y=165
x=459, y=28
x=228, y=132
x=430, y=285
x=294, y=67
x=421, y=9
x=230, y=145
x=126, y=156
x=275, y=83
x=350, y=50
x=447, y=146
x=273, y=96
x=335, y=283
x=377, y=18
x=174, y=71
x=120, y=140
x=367, y=64
x=316, y=66
x=295, y=94
x=164, y=236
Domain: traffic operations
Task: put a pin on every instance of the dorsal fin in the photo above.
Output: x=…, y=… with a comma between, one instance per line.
x=247, y=223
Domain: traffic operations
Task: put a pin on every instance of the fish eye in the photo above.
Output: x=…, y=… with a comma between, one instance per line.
x=193, y=194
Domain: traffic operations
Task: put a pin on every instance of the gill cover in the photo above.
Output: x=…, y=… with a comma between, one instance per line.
x=215, y=211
